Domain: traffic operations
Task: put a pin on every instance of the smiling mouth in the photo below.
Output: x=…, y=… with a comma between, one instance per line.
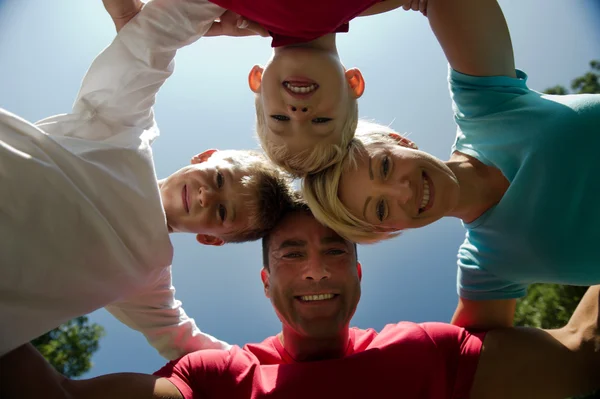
x=185, y=199
x=316, y=298
x=428, y=191
x=300, y=89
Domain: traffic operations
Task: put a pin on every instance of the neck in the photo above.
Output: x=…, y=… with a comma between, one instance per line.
x=481, y=187
x=303, y=349
x=324, y=43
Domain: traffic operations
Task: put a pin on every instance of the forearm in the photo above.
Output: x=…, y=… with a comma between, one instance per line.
x=24, y=373
x=122, y=11
x=120, y=87
x=474, y=36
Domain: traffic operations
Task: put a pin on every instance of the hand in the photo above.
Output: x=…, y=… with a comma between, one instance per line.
x=122, y=11
x=232, y=24
x=416, y=5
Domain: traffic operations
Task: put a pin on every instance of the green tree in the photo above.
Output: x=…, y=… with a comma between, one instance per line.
x=69, y=348
x=588, y=83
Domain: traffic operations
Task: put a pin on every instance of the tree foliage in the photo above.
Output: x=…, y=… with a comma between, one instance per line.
x=69, y=348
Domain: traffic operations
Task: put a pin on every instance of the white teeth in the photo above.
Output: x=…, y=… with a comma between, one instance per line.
x=300, y=89
x=320, y=297
x=425, y=200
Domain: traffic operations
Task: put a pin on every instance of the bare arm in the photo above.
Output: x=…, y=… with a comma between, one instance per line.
x=24, y=373
x=383, y=6
x=532, y=363
x=484, y=315
x=473, y=35
x=122, y=11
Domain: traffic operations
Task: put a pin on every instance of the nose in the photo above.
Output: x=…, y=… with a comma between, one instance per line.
x=206, y=196
x=298, y=112
x=402, y=191
x=316, y=270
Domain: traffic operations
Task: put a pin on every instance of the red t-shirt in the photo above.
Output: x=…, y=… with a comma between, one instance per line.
x=294, y=21
x=404, y=360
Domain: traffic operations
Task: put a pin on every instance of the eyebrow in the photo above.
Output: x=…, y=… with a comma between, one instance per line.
x=326, y=134
x=292, y=243
x=366, y=205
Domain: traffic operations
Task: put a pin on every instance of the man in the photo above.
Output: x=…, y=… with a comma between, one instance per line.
x=312, y=278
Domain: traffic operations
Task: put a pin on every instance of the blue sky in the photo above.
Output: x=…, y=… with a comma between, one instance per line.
x=46, y=47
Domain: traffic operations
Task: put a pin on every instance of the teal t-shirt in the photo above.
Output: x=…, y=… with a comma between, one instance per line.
x=546, y=228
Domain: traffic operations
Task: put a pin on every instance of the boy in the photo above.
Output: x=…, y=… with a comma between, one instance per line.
x=83, y=221
x=306, y=100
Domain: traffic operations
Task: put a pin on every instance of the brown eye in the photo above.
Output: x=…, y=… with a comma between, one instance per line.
x=385, y=166
x=220, y=180
x=380, y=209
x=222, y=213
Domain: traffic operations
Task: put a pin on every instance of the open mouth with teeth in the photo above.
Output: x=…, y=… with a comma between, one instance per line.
x=316, y=298
x=428, y=191
x=300, y=88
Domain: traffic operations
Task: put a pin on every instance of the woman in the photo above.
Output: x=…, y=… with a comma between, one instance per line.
x=523, y=175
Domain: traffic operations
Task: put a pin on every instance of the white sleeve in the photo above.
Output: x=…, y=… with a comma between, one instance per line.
x=119, y=90
x=159, y=316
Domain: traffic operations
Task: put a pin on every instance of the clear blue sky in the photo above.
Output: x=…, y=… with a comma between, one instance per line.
x=46, y=47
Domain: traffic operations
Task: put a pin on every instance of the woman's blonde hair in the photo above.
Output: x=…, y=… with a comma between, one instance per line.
x=320, y=190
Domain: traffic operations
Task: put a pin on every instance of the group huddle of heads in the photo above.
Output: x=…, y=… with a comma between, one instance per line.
x=310, y=131
x=268, y=179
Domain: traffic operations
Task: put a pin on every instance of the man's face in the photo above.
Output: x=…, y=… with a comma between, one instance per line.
x=306, y=97
x=313, y=279
x=206, y=198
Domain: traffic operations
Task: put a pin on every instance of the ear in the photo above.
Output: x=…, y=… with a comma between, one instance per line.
x=356, y=81
x=209, y=240
x=264, y=276
x=202, y=157
x=404, y=142
x=359, y=270
x=255, y=78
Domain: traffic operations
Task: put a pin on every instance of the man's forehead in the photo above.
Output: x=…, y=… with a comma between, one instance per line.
x=300, y=226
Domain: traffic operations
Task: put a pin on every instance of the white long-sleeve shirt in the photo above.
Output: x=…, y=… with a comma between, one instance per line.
x=82, y=224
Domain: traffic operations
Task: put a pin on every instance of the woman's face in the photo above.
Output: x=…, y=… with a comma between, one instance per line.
x=397, y=188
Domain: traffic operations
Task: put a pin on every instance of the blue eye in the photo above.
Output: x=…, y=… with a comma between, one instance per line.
x=220, y=180
x=321, y=120
x=280, y=118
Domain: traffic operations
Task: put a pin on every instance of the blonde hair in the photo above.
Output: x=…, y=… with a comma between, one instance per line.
x=313, y=160
x=271, y=193
x=320, y=190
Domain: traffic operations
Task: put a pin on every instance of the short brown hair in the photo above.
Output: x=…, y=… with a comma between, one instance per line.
x=297, y=204
x=271, y=193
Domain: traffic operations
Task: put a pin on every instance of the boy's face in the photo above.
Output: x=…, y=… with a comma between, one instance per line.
x=306, y=96
x=206, y=198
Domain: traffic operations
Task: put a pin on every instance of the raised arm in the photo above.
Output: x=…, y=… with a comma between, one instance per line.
x=473, y=35
x=532, y=363
x=24, y=373
x=119, y=89
x=159, y=316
